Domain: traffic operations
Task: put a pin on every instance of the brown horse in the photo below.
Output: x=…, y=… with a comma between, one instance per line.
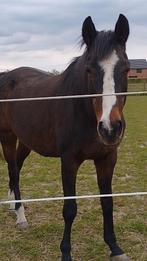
x=73, y=129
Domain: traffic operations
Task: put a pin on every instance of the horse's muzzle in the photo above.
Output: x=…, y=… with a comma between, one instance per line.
x=111, y=135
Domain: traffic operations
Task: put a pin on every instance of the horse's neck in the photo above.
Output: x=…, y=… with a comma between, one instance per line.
x=84, y=105
x=74, y=79
x=81, y=77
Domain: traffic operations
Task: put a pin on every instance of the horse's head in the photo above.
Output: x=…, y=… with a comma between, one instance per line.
x=107, y=66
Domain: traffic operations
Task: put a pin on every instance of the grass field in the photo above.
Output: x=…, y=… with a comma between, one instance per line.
x=40, y=177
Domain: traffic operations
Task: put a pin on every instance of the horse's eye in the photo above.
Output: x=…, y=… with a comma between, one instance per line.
x=125, y=71
x=91, y=68
x=88, y=69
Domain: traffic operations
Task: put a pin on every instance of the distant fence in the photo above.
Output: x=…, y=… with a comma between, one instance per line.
x=133, y=87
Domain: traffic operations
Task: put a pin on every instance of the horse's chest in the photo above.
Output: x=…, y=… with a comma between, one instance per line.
x=92, y=149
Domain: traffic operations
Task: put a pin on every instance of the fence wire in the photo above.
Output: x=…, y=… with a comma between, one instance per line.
x=141, y=93
x=125, y=194
x=79, y=96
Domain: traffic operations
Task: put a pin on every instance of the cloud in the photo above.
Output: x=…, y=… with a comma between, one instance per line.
x=17, y=38
x=44, y=33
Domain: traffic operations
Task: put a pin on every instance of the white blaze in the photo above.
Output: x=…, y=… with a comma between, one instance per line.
x=108, y=102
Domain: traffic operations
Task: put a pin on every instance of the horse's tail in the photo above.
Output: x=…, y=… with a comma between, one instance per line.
x=3, y=80
x=1, y=153
x=2, y=74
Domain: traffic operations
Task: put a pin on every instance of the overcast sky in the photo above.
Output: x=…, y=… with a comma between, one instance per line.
x=44, y=33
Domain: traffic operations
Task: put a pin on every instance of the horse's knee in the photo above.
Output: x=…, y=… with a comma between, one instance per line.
x=69, y=210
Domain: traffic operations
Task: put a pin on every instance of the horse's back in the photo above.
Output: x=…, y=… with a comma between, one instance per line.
x=28, y=82
x=23, y=72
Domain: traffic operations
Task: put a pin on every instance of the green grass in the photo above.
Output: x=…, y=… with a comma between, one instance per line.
x=40, y=177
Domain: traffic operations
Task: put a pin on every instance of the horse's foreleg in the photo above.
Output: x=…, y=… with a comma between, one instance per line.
x=105, y=169
x=69, y=170
x=69, y=214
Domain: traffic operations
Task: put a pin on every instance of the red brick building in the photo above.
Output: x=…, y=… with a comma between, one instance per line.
x=138, y=69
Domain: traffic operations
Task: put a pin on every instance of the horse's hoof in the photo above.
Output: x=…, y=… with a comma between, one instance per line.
x=23, y=225
x=120, y=258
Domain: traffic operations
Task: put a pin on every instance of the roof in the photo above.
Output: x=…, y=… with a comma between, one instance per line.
x=138, y=64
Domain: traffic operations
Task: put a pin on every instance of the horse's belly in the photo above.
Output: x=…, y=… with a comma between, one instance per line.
x=46, y=146
x=46, y=152
x=42, y=142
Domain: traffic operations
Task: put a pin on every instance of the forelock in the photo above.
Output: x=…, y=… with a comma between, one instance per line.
x=104, y=44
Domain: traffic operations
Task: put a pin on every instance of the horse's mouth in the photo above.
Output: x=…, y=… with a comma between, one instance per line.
x=111, y=140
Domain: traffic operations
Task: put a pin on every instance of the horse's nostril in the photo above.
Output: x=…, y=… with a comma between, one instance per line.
x=119, y=126
x=100, y=125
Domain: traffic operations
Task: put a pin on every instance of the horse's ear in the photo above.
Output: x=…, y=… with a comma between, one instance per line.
x=122, y=29
x=88, y=31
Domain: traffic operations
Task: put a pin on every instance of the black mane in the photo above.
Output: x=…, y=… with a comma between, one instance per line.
x=74, y=78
